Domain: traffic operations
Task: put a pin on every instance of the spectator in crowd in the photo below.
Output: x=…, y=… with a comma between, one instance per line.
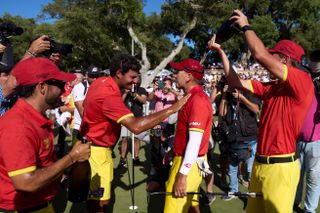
x=29, y=172
x=104, y=113
x=191, y=140
x=309, y=145
x=134, y=100
x=286, y=101
x=79, y=93
x=239, y=113
x=8, y=82
x=164, y=97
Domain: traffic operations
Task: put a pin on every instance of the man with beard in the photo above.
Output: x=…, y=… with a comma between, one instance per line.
x=104, y=113
x=191, y=140
x=29, y=171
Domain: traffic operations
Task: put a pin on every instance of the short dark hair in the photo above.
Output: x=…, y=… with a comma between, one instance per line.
x=26, y=91
x=124, y=63
x=315, y=56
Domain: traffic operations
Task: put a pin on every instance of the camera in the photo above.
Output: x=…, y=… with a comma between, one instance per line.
x=160, y=84
x=227, y=29
x=55, y=47
x=8, y=29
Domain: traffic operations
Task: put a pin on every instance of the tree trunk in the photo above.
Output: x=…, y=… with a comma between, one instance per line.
x=145, y=79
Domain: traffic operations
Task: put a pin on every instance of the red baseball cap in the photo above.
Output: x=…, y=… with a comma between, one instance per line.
x=288, y=48
x=36, y=70
x=190, y=66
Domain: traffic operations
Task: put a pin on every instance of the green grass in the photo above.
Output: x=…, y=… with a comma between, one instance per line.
x=121, y=196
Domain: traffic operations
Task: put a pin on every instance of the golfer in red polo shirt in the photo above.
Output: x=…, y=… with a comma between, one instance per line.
x=29, y=171
x=191, y=139
x=286, y=100
x=104, y=112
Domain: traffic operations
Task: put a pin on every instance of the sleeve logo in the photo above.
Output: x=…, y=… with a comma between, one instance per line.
x=194, y=123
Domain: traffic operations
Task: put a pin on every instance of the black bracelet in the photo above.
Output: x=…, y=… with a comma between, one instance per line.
x=246, y=27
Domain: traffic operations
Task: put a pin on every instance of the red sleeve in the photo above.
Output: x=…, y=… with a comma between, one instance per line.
x=18, y=150
x=257, y=88
x=115, y=109
x=298, y=83
x=198, y=114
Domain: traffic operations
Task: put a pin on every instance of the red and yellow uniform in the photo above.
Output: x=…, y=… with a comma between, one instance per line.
x=285, y=104
x=103, y=111
x=26, y=145
x=196, y=115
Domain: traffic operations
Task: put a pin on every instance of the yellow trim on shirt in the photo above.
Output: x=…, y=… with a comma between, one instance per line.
x=124, y=117
x=196, y=129
x=250, y=86
x=285, y=73
x=22, y=171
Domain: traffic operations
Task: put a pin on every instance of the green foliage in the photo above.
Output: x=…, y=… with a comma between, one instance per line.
x=98, y=28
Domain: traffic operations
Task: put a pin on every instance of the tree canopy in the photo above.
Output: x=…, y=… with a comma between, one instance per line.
x=98, y=29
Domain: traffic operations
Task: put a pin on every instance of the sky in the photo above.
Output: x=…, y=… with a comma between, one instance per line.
x=31, y=8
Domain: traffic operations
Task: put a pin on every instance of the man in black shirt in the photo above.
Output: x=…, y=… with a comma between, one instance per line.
x=134, y=100
x=239, y=113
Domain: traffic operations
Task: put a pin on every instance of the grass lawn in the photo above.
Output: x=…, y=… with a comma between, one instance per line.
x=122, y=199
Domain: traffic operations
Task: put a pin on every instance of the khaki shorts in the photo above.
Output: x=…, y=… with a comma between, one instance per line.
x=278, y=183
x=101, y=171
x=193, y=183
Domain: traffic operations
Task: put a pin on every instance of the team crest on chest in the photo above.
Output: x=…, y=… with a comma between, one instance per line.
x=47, y=143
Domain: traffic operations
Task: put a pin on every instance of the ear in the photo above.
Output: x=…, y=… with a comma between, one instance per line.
x=42, y=87
x=286, y=59
x=119, y=74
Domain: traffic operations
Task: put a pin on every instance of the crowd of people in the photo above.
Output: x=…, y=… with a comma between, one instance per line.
x=264, y=122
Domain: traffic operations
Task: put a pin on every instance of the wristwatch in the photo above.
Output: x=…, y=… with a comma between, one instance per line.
x=246, y=27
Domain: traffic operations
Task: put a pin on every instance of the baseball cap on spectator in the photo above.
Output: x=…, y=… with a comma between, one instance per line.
x=190, y=66
x=36, y=70
x=94, y=72
x=288, y=48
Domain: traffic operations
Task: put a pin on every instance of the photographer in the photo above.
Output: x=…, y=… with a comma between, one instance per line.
x=7, y=81
x=7, y=85
x=37, y=46
x=238, y=112
x=163, y=98
x=46, y=46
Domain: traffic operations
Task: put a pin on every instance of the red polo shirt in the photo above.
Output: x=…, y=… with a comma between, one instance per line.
x=196, y=115
x=26, y=144
x=284, y=108
x=103, y=111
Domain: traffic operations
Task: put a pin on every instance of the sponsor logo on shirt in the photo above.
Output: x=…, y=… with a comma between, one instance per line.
x=194, y=123
x=188, y=165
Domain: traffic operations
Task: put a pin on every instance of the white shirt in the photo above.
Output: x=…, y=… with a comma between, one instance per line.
x=78, y=94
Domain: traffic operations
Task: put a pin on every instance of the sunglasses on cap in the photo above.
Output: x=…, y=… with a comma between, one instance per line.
x=57, y=83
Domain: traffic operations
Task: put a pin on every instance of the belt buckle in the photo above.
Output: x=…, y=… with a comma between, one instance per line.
x=268, y=160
